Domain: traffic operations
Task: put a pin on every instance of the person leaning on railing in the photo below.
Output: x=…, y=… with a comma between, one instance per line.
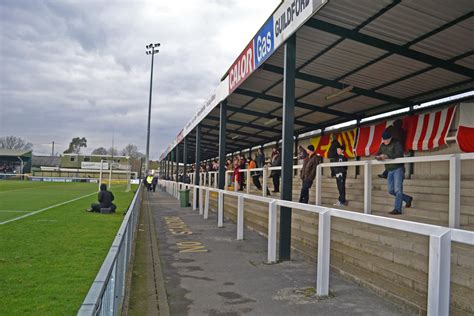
x=395, y=172
x=308, y=173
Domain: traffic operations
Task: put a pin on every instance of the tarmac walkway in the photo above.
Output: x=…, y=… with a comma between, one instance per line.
x=206, y=271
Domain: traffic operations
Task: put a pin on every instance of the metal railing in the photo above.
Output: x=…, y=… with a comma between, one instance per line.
x=440, y=238
x=105, y=297
x=454, y=179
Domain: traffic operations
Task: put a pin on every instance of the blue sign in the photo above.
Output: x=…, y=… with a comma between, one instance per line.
x=264, y=43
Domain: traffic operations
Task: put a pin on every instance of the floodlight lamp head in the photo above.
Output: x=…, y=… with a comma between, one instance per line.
x=157, y=45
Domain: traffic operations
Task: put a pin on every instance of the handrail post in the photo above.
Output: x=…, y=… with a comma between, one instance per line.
x=240, y=217
x=324, y=248
x=272, y=231
x=215, y=180
x=248, y=181
x=220, y=209
x=235, y=185
x=194, y=198
x=368, y=187
x=226, y=181
x=454, y=191
x=264, y=182
x=319, y=182
x=201, y=200
x=439, y=274
x=206, y=205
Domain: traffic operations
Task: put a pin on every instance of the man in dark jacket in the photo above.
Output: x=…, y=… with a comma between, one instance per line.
x=340, y=174
x=308, y=173
x=398, y=135
x=105, y=199
x=275, y=174
x=390, y=149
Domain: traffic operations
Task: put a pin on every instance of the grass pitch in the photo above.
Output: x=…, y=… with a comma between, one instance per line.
x=49, y=259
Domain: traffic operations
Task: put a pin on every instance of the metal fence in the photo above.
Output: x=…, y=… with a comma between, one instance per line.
x=440, y=238
x=107, y=292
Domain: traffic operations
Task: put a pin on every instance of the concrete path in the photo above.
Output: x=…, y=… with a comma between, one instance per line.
x=208, y=272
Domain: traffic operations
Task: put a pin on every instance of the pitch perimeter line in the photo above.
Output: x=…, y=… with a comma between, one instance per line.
x=46, y=208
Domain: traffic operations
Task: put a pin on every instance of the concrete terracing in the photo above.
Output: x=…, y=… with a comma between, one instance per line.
x=206, y=271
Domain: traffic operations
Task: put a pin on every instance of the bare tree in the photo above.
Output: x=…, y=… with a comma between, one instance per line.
x=75, y=145
x=100, y=151
x=14, y=142
x=131, y=150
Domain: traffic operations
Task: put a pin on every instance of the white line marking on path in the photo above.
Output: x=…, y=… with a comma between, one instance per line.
x=46, y=208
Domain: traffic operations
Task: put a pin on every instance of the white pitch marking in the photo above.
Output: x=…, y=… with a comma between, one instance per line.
x=46, y=208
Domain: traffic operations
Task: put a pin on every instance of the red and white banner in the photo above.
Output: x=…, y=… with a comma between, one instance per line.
x=370, y=138
x=465, y=134
x=428, y=131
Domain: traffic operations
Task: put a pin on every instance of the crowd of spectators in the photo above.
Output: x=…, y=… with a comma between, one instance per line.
x=7, y=166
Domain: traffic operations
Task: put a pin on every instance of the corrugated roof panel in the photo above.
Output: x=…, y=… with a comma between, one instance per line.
x=440, y=9
x=449, y=43
x=430, y=80
x=243, y=117
x=262, y=105
x=238, y=99
x=467, y=62
x=277, y=57
x=256, y=84
x=316, y=117
x=319, y=97
x=415, y=24
x=343, y=58
x=386, y=70
x=349, y=13
x=306, y=85
x=357, y=104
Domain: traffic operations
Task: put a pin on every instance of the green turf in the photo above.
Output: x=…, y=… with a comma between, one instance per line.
x=49, y=260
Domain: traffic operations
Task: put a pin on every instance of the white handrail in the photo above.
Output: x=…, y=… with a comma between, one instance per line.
x=439, y=246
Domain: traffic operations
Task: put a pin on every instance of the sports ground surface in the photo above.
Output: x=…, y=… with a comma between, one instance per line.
x=51, y=248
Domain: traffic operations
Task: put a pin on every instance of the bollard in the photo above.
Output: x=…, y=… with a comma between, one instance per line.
x=240, y=217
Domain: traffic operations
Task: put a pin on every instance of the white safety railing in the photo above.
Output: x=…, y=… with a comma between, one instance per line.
x=439, y=269
x=105, y=297
x=454, y=179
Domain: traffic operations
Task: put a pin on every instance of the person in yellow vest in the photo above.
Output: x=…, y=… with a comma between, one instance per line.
x=149, y=179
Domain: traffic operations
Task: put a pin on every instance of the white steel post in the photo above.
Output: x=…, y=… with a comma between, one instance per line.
x=324, y=248
x=226, y=181
x=215, y=180
x=201, y=200
x=368, y=187
x=439, y=273
x=248, y=181
x=272, y=231
x=194, y=198
x=235, y=185
x=220, y=210
x=110, y=175
x=264, y=182
x=319, y=182
x=206, y=205
x=100, y=174
x=454, y=191
x=240, y=217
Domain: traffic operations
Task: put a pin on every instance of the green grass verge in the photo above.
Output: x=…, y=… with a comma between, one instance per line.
x=49, y=260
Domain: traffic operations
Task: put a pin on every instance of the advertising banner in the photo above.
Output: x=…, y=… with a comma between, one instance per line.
x=94, y=165
x=323, y=143
x=263, y=43
x=242, y=67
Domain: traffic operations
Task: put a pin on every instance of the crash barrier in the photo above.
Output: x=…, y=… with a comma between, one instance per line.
x=105, y=297
x=440, y=238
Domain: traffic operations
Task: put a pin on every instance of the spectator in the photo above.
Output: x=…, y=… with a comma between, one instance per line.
x=255, y=174
x=105, y=199
x=308, y=173
x=398, y=135
x=149, y=180
x=236, y=174
x=390, y=149
x=341, y=173
x=154, y=182
x=332, y=153
x=275, y=174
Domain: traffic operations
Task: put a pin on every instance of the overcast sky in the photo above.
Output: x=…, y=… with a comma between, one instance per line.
x=79, y=69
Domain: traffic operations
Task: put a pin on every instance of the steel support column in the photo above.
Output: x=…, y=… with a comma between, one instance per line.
x=198, y=155
x=185, y=159
x=177, y=162
x=287, y=146
x=172, y=165
x=222, y=136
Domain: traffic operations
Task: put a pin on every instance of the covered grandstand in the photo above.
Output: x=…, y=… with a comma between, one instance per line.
x=14, y=161
x=351, y=68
